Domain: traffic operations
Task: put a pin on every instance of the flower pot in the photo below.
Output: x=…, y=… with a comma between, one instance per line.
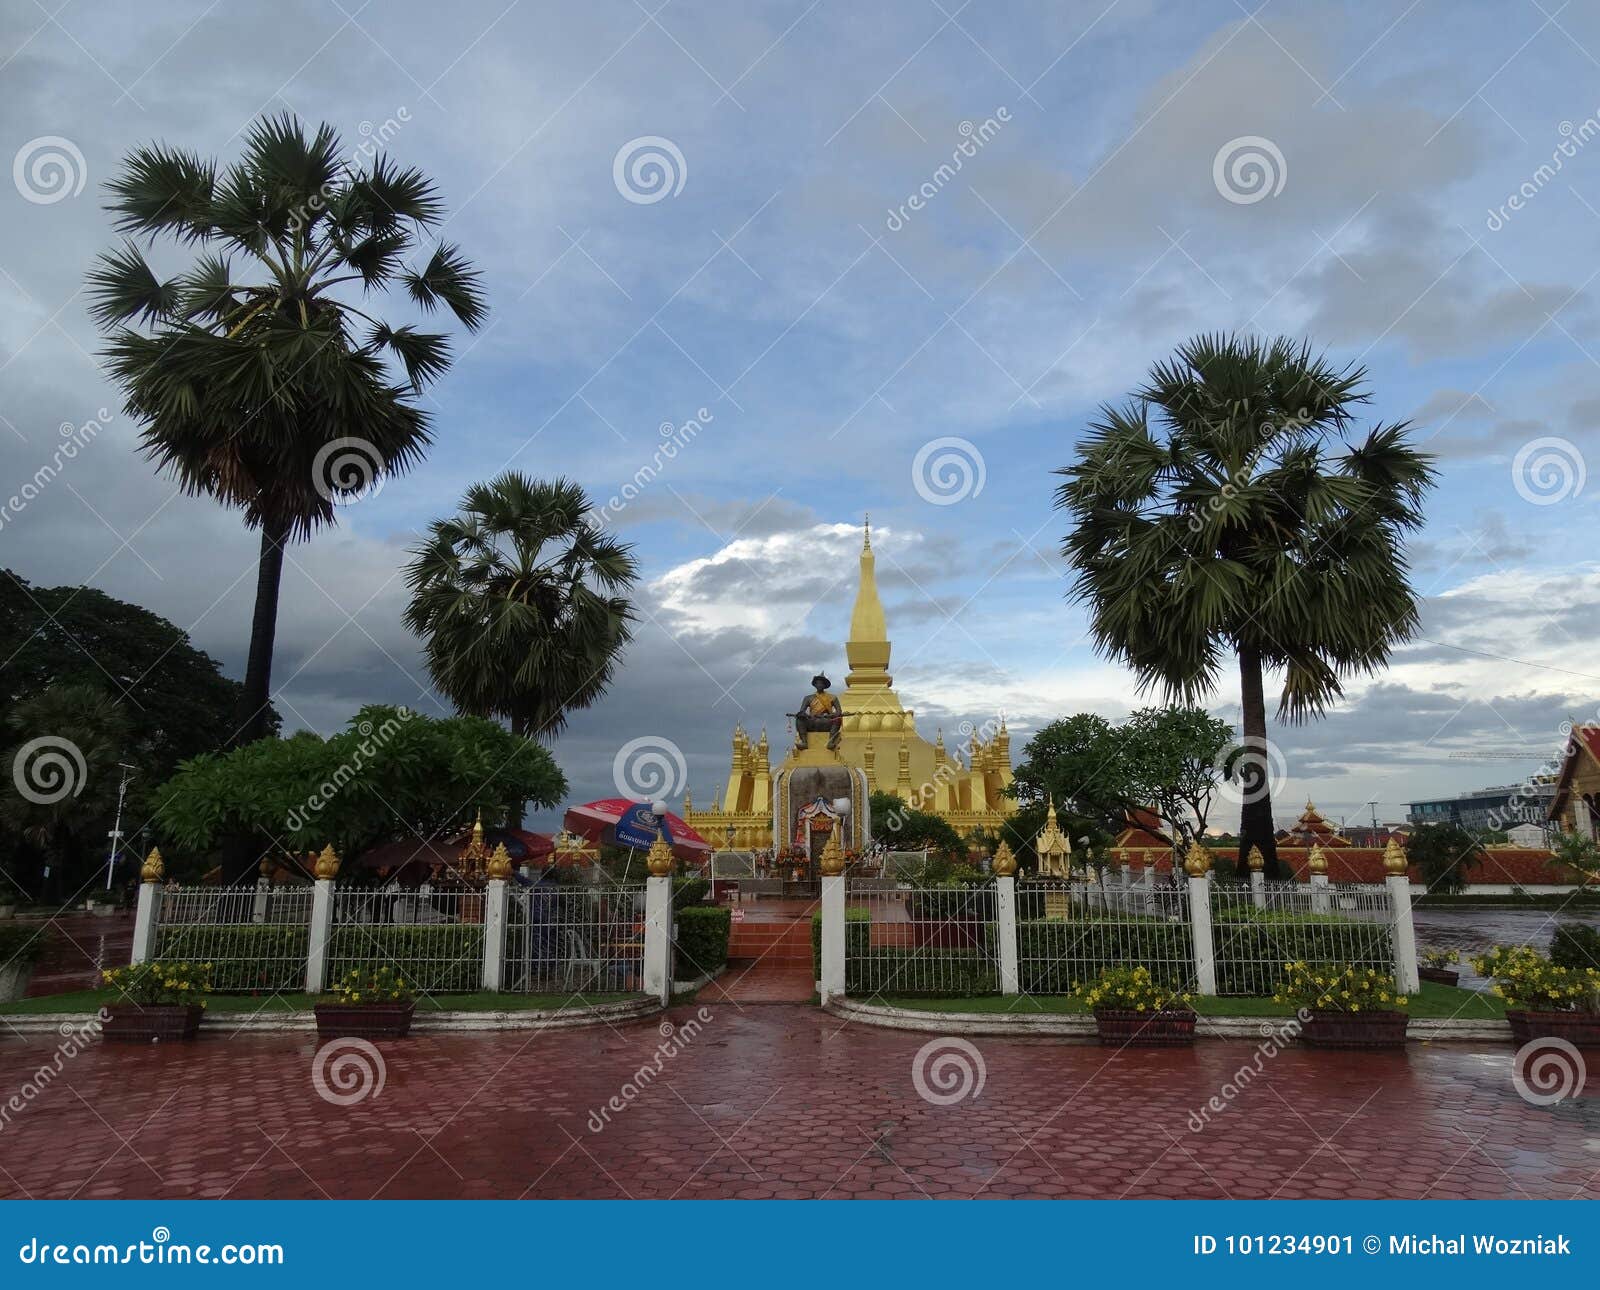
x=1443, y=976
x=150, y=1023
x=1354, y=1030
x=1581, y=1029
x=364, y=1020
x=1172, y=1028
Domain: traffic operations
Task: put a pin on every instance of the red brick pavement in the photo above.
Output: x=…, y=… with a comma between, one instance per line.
x=782, y=1101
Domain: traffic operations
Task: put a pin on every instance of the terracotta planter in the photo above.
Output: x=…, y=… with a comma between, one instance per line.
x=1442, y=976
x=152, y=1023
x=1581, y=1029
x=364, y=1020
x=1173, y=1028
x=1355, y=1030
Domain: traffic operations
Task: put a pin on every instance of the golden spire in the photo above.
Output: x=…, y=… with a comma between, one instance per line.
x=1052, y=846
x=499, y=863
x=1004, y=863
x=1197, y=863
x=867, y=650
x=1317, y=862
x=1255, y=860
x=327, y=866
x=153, y=870
x=1394, y=856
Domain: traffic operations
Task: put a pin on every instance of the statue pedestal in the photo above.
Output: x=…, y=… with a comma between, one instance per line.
x=804, y=792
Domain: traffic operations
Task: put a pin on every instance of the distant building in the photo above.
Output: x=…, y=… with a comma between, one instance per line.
x=1490, y=808
x=1574, y=805
x=1525, y=835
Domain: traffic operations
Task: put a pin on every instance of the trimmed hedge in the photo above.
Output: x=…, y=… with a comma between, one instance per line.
x=244, y=957
x=1575, y=945
x=21, y=942
x=689, y=891
x=436, y=958
x=703, y=932
x=1251, y=946
x=1054, y=955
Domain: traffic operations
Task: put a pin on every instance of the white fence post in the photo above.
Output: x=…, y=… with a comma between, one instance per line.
x=658, y=937
x=1006, y=929
x=1205, y=964
x=321, y=932
x=1258, y=888
x=831, y=986
x=1404, y=934
x=146, y=922
x=1320, y=904
x=495, y=898
x=258, y=905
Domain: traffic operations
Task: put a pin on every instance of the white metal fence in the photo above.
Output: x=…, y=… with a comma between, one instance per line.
x=1068, y=933
x=1256, y=930
x=921, y=941
x=433, y=939
x=255, y=939
x=575, y=939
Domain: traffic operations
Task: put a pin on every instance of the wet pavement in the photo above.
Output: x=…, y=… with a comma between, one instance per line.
x=77, y=947
x=1472, y=931
x=780, y=1100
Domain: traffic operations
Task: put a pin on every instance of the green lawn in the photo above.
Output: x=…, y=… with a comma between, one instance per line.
x=1431, y=1001
x=93, y=1000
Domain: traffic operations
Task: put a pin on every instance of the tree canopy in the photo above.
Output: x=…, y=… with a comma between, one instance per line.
x=390, y=775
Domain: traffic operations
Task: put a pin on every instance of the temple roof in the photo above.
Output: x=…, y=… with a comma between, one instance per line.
x=1313, y=827
x=1584, y=744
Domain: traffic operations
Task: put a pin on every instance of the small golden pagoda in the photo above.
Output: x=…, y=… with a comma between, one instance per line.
x=879, y=736
x=1052, y=846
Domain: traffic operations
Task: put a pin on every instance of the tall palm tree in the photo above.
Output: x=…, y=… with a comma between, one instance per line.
x=1225, y=509
x=263, y=384
x=522, y=603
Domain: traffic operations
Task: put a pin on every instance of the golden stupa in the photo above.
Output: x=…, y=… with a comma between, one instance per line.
x=879, y=736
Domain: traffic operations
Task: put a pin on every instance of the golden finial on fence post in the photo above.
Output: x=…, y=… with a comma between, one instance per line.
x=1004, y=863
x=153, y=870
x=1197, y=863
x=658, y=860
x=1255, y=860
x=327, y=866
x=1394, y=856
x=499, y=866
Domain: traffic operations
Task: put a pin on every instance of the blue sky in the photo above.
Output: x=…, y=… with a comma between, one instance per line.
x=829, y=343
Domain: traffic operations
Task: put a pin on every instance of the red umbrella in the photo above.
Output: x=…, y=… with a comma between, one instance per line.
x=618, y=821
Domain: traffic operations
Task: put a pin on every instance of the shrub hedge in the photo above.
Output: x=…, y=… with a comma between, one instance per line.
x=702, y=939
x=437, y=958
x=1054, y=955
x=244, y=957
x=1575, y=945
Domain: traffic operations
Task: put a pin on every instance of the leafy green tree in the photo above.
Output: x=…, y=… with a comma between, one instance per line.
x=1443, y=853
x=904, y=828
x=59, y=790
x=390, y=775
x=1574, y=851
x=1175, y=754
x=176, y=701
x=521, y=603
x=262, y=383
x=1224, y=512
x=1080, y=763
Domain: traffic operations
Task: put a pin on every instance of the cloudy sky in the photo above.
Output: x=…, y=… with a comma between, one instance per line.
x=707, y=206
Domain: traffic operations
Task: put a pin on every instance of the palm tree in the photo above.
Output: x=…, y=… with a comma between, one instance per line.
x=271, y=390
x=521, y=603
x=1225, y=510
